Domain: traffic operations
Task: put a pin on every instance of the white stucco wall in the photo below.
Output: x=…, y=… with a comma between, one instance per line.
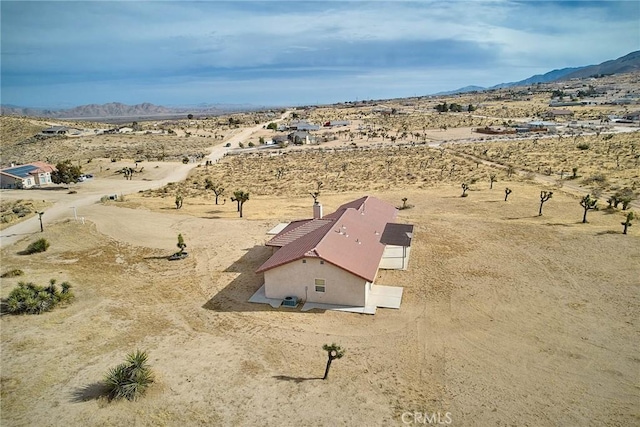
x=341, y=287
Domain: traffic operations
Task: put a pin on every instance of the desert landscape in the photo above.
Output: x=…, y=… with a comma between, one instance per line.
x=508, y=317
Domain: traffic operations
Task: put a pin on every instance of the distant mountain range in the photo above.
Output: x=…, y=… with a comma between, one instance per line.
x=625, y=64
x=118, y=110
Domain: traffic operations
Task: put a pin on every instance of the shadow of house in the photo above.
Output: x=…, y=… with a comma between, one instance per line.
x=235, y=296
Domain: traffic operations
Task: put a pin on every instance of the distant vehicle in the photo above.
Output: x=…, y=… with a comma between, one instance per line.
x=88, y=176
x=82, y=178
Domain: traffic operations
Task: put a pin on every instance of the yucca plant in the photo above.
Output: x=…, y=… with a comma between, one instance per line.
x=131, y=379
x=30, y=298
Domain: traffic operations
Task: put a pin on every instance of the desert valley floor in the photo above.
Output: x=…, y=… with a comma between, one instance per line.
x=507, y=318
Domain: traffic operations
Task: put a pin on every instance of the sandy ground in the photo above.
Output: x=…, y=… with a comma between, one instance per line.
x=72, y=201
x=507, y=319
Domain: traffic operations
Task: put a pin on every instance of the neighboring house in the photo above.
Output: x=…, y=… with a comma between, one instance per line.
x=634, y=116
x=56, y=130
x=303, y=126
x=337, y=123
x=301, y=138
x=26, y=176
x=335, y=259
x=559, y=113
x=281, y=139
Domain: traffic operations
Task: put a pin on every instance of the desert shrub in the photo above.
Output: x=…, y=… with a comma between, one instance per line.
x=21, y=211
x=130, y=379
x=583, y=146
x=597, y=179
x=8, y=218
x=12, y=273
x=29, y=298
x=39, y=245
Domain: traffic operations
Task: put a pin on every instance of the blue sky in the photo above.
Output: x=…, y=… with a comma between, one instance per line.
x=64, y=53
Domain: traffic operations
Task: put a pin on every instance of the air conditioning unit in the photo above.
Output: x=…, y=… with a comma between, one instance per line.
x=290, y=302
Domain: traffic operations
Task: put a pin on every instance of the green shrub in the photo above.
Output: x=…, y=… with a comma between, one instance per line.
x=29, y=298
x=130, y=379
x=39, y=245
x=597, y=179
x=12, y=273
x=583, y=146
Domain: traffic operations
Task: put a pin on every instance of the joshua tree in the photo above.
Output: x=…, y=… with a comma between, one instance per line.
x=492, y=179
x=404, y=203
x=507, y=191
x=627, y=223
x=279, y=172
x=179, y=200
x=334, y=351
x=574, y=173
x=465, y=187
x=625, y=196
x=510, y=171
x=587, y=204
x=544, y=196
x=315, y=195
x=217, y=189
x=240, y=197
x=181, y=244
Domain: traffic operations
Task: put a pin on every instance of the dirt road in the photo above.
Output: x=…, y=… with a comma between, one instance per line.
x=89, y=192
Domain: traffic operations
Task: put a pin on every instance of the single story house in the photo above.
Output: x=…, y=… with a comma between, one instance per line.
x=56, y=130
x=559, y=113
x=303, y=126
x=634, y=116
x=301, y=138
x=280, y=139
x=26, y=176
x=337, y=123
x=334, y=259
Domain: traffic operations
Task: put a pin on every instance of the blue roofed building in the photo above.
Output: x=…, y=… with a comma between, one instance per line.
x=26, y=176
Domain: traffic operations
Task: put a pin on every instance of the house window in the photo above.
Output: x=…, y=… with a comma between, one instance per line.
x=320, y=285
x=321, y=261
x=304, y=261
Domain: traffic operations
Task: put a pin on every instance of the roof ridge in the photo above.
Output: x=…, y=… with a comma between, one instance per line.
x=344, y=211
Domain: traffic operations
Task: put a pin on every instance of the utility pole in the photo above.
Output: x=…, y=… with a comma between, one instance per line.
x=40, y=218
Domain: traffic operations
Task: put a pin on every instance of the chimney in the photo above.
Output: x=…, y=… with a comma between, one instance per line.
x=317, y=211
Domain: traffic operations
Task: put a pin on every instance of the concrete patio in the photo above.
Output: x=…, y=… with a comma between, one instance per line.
x=379, y=297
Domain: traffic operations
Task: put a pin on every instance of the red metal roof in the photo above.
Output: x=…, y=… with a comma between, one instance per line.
x=348, y=238
x=295, y=230
x=44, y=167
